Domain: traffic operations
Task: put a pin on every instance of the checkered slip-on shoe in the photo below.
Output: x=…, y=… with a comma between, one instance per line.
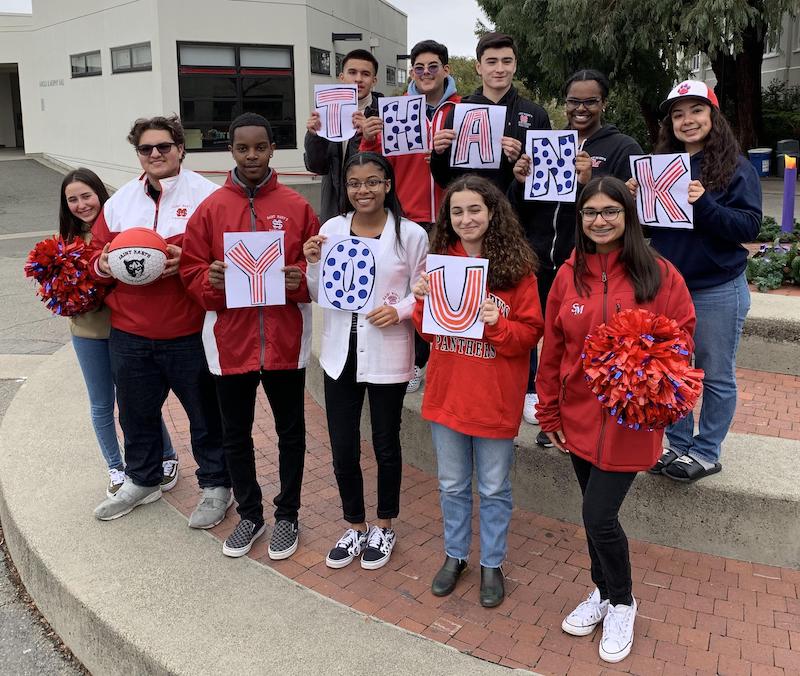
x=241, y=540
x=284, y=540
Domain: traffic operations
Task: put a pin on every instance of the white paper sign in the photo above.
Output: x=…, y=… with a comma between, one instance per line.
x=347, y=278
x=552, y=176
x=336, y=105
x=479, y=129
x=253, y=276
x=662, y=198
x=404, y=125
x=458, y=288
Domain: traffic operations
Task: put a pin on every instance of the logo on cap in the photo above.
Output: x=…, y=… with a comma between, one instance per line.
x=684, y=88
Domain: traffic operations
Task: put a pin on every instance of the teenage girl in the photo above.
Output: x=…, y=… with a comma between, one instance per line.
x=82, y=198
x=476, y=387
x=370, y=354
x=611, y=269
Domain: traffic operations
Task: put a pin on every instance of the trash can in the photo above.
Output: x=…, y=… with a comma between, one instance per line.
x=760, y=159
x=788, y=146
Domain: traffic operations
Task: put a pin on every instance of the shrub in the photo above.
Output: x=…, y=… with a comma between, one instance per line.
x=773, y=265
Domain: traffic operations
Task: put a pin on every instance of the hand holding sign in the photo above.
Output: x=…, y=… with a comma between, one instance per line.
x=479, y=136
x=404, y=127
x=552, y=177
x=662, y=194
x=336, y=105
x=459, y=279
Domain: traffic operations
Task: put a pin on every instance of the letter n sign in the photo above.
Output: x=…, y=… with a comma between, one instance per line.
x=404, y=127
x=662, y=197
x=552, y=176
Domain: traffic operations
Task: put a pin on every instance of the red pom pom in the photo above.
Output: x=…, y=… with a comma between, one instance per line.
x=62, y=270
x=637, y=365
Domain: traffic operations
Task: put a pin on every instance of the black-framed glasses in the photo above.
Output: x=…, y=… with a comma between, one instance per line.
x=609, y=214
x=371, y=183
x=146, y=149
x=432, y=68
x=594, y=102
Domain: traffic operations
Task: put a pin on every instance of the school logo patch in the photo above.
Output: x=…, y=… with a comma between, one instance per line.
x=391, y=298
x=577, y=309
x=598, y=161
x=683, y=88
x=524, y=120
x=181, y=212
x=278, y=221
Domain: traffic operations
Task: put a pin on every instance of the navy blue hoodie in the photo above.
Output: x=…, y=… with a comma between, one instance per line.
x=712, y=253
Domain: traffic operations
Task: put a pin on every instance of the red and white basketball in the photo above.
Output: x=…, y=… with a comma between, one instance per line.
x=137, y=256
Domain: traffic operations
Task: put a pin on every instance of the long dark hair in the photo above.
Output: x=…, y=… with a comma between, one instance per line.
x=639, y=260
x=69, y=226
x=510, y=256
x=720, y=152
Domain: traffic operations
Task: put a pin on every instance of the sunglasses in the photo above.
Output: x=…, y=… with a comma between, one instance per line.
x=432, y=68
x=145, y=150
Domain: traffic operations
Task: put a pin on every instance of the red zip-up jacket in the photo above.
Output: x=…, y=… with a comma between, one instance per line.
x=417, y=191
x=477, y=386
x=241, y=340
x=565, y=400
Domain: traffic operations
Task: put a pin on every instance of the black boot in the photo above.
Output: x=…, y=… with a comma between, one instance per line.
x=445, y=581
x=492, y=588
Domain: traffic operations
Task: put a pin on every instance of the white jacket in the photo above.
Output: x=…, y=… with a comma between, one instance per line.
x=384, y=355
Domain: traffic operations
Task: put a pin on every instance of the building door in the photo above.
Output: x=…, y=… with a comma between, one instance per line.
x=11, y=135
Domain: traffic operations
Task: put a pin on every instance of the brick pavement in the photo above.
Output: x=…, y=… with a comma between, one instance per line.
x=698, y=614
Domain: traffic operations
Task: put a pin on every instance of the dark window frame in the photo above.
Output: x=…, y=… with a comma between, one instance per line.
x=323, y=53
x=393, y=80
x=86, y=73
x=131, y=68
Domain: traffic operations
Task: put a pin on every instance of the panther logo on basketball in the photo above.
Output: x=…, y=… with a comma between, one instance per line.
x=134, y=266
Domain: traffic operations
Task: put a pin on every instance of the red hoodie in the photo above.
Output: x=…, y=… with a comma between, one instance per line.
x=416, y=189
x=241, y=340
x=477, y=387
x=565, y=400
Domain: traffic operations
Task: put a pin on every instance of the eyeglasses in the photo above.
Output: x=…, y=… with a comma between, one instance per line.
x=609, y=214
x=572, y=104
x=432, y=68
x=371, y=183
x=146, y=149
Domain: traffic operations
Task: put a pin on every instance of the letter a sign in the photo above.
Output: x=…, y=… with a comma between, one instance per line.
x=457, y=290
x=662, y=199
x=479, y=130
x=253, y=277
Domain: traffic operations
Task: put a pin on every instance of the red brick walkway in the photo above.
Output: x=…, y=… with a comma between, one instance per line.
x=698, y=614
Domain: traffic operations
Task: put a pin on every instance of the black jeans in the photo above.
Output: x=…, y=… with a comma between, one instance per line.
x=285, y=392
x=422, y=351
x=344, y=399
x=144, y=371
x=603, y=493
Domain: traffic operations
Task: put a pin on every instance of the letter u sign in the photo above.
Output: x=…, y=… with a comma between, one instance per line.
x=461, y=317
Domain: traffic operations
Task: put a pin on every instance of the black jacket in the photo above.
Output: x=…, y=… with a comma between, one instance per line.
x=327, y=159
x=521, y=115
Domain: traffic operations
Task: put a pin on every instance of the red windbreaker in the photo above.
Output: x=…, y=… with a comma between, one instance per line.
x=241, y=340
x=477, y=386
x=565, y=400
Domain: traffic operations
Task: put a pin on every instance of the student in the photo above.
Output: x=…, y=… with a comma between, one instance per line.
x=155, y=341
x=476, y=387
x=726, y=195
x=82, y=198
x=550, y=227
x=497, y=64
x=247, y=346
x=326, y=157
x=611, y=269
x=418, y=192
x=369, y=353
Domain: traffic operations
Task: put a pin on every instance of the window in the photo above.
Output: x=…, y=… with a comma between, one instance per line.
x=320, y=61
x=218, y=82
x=772, y=47
x=696, y=62
x=391, y=75
x=339, y=63
x=131, y=58
x=796, y=33
x=86, y=64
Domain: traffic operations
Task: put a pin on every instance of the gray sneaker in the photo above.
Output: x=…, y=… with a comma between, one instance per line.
x=125, y=499
x=212, y=507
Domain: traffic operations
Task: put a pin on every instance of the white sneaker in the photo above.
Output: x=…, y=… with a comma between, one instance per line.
x=529, y=409
x=348, y=547
x=380, y=543
x=617, y=639
x=116, y=477
x=588, y=614
x=415, y=382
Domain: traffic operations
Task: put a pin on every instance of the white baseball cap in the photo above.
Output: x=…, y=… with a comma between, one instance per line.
x=690, y=89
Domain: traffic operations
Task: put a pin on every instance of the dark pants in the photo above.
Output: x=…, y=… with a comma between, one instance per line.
x=285, y=392
x=344, y=399
x=544, y=279
x=144, y=372
x=422, y=348
x=603, y=493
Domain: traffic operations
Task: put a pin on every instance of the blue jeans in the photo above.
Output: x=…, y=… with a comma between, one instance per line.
x=492, y=459
x=721, y=311
x=95, y=363
x=144, y=371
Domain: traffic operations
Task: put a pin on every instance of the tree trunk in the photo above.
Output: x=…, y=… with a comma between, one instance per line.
x=748, y=80
x=652, y=119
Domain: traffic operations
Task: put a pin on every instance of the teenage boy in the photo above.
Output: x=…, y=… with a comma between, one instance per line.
x=155, y=342
x=418, y=192
x=326, y=157
x=497, y=64
x=247, y=346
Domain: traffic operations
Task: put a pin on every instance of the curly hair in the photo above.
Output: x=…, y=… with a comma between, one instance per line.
x=720, y=153
x=170, y=123
x=510, y=256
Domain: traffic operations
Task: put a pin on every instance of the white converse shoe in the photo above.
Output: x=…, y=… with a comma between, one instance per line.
x=529, y=409
x=588, y=614
x=617, y=639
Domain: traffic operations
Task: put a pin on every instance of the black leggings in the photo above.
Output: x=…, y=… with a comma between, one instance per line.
x=603, y=493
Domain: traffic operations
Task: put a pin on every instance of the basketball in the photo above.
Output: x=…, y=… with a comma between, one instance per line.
x=137, y=256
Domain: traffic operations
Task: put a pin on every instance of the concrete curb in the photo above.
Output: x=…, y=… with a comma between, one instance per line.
x=146, y=594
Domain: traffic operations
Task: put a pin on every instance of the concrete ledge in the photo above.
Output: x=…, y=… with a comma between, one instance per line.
x=146, y=594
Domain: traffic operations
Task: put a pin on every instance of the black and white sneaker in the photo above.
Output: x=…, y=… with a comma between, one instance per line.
x=241, y=540
x=380, y=542
x=284, y=540
x=543, y=440
x=348, y=547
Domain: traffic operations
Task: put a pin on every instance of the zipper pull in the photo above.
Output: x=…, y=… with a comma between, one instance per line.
x=604, y=277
